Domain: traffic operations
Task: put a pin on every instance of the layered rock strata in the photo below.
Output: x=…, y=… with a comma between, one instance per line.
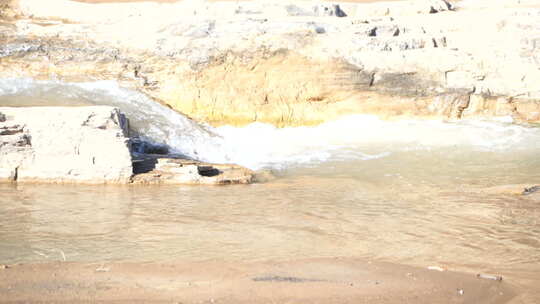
x=91, y=145
x=155, y=169
x=79, y=144
x=291, y=63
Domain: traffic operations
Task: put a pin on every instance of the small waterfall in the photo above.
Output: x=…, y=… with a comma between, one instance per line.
x=354, y=137
x=152, y=121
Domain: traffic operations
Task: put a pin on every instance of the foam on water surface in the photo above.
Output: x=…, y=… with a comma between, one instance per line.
x=367, y=137
x=258, y=145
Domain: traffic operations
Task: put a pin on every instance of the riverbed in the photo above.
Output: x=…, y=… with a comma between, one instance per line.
x=439, y=207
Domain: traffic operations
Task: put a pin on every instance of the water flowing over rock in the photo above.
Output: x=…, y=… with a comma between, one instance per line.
x=289, y=64
x=91, y=144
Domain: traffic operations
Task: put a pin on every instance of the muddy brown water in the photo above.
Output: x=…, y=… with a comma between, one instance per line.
x=422, y=208
x=418, y=193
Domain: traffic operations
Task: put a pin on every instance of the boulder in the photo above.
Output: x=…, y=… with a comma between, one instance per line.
x=64, y=144
x=91, y=145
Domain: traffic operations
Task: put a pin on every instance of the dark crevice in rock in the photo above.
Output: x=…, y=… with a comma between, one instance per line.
x=531, y=190
x=146, y=147
x=144, y=165
x=463, y=106
x=145, y=154
x=26, y=140
x=372, y=80
x=339, y=11
x=208, y=171
x=16, y=174
x=10, y=131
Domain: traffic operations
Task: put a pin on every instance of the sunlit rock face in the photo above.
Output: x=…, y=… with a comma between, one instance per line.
x=91, y=144
x=64, y=144
x=291, y=63
x=156, y=170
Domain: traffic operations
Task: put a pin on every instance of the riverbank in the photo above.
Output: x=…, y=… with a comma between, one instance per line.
x=329, y=281
x=290, y=64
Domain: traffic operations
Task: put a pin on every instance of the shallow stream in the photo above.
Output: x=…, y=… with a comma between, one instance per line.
x=414, y=192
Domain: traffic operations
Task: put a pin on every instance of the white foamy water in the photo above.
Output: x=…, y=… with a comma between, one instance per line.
x=151, y=120
x=367, y=137
x=359, y=137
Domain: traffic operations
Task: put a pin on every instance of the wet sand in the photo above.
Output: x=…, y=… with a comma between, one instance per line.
x=329, y=280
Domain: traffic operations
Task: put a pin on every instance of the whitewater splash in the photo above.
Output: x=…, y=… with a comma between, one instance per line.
x=151, y=120
x=261, y=145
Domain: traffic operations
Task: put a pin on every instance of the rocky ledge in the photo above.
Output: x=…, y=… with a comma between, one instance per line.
x=156, y=169
x=92, y=145
x=289, y=63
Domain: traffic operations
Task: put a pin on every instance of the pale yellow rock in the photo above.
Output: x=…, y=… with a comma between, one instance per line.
x=478, y=106
x=528, y=110
x=504, y=106
x=291, y=63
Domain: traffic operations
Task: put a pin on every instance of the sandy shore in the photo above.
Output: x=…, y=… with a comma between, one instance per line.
x=330, y=280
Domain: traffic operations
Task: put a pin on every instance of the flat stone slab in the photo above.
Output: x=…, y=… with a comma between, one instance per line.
x=162, y=170
x=64, y=145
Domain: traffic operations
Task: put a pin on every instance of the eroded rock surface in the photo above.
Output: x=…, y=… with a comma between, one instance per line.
x=290, y=63
x=160, y=170
x=59, y=144
x=92, y=145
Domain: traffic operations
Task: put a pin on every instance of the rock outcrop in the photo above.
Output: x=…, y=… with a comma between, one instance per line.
x=53, y=144
x=92, y=145
x=290, y=63
x=154, y=169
